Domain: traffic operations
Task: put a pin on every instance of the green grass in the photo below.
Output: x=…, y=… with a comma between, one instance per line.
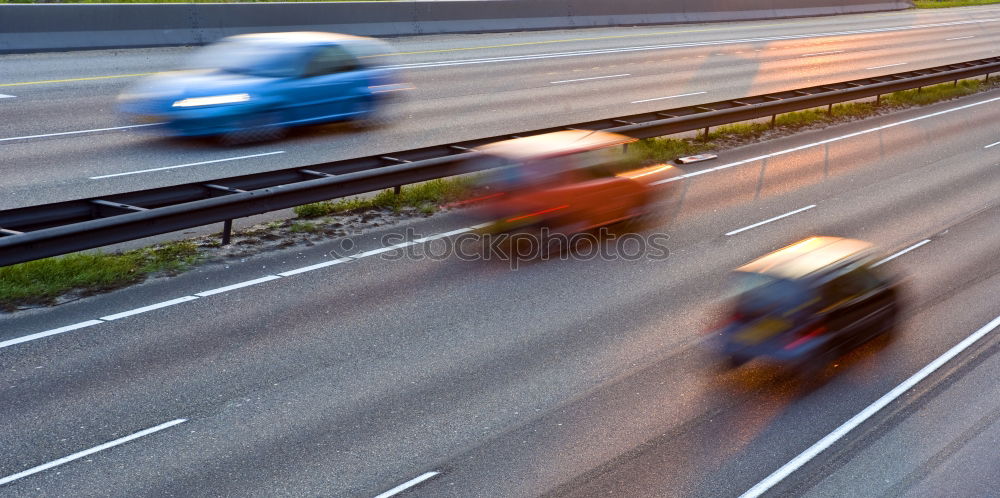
x=423, y=196
x=41, y=281
x=303, y=227
x=939, y=4
x=664, y=149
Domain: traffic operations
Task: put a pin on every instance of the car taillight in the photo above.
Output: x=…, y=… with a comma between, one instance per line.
x=805, y=336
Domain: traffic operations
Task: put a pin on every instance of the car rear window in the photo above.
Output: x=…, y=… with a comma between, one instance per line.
x=757, y=293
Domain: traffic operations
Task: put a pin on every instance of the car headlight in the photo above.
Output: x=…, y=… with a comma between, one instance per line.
x=213, y=100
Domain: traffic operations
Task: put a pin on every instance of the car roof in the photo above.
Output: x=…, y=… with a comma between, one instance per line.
x=360, y=46
x=298, y=37
x=808, y=256
x=553, y=144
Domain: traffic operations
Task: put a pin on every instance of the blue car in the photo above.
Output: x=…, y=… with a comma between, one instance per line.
x=266, y=82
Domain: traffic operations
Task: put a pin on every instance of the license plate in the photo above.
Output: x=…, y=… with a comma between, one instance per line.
x=763, y=329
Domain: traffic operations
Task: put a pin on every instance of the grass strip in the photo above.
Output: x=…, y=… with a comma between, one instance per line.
x=940, y=4
x=425, y=197
x=665, y=149
x=41, y=282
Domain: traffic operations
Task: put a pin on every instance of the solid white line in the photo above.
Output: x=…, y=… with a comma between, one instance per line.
x=821, y=445
x=900, y=253
x=39, y=335
x=960, y=38
x=408, y=484
x=588, y=79
x=91, y=451
x=76, y=132
x=670, y=97
x=151, y=307
x=416, y=65
x=887, y=65
x=823, y=53
x=189, y=164
x=449, y=234
x=755, y=225
x=4, y=96
x=824, y=142
x=383, y=249
x=316, y=266
x=240, y=285
x=184, y=299
x=991, y=145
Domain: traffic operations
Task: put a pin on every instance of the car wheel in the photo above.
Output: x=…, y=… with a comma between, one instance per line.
x=734, y=361
x=891, y=322
x=813, y=373
x=374, y=115
x=259, y=127
x=653, y=213
x=645, y=218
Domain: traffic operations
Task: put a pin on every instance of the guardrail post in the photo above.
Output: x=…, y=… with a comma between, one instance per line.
x=705, y=136
x=878, y=100
x=397, y=189
x=227, y=232
x=829, y=110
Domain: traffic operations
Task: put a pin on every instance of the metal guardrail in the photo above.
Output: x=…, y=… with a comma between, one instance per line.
x=37, y=232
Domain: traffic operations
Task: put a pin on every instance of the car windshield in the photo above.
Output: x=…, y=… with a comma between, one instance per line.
x=255, y=58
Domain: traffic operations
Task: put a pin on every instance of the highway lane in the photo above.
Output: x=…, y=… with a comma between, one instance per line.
x=953, y=428
x=563, y=376
x=453, y=102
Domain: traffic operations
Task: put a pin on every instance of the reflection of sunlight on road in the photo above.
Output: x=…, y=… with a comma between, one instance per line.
x=793, y=171
x=762, y=394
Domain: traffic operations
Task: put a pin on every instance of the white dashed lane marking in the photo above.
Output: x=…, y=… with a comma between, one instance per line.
x=91, y=451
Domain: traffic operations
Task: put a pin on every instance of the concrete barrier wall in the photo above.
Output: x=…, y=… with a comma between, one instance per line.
x=41, y=27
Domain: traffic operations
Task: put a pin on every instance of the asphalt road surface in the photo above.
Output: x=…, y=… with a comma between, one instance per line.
x=465, y=86
x=572, y=377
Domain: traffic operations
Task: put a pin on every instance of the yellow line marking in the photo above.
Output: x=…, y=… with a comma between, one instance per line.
x=608, y=37
x=568, y=40
x=68, y=80
x=461, y=49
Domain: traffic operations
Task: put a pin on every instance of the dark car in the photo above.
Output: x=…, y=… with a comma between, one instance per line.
x=807, y=303
x=266, y=82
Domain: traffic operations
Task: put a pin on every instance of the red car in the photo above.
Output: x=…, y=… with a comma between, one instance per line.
x=570, y=181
